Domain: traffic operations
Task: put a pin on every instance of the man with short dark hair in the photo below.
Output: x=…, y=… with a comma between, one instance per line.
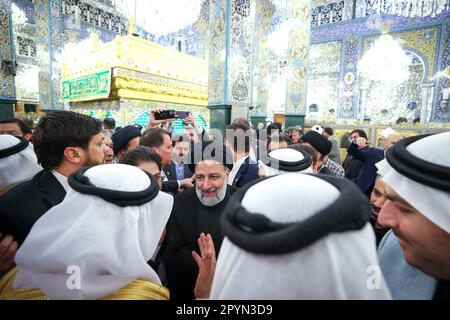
x=64, y=141
x=109, y=124
x=335, y=153
x=238, y=139
x=352, y=165
x=145, y=159
x=274, y=129
x=159, y=141
x=277, y=142
x=17, y=128
x=178, y=169
x=369, y=157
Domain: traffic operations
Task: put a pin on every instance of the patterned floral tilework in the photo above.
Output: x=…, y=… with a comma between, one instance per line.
x=298, y=58
x=43, y=53
x=217, y=52
x=6, y=80
x=441, y=111
x=349, y=92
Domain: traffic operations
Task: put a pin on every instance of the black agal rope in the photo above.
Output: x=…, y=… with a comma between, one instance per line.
x=81, y=183
x=22, y=145
x=256, y=233
x=414, y=168
x=290, y=166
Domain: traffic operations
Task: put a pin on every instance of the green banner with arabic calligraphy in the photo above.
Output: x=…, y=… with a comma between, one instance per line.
x=90, y=87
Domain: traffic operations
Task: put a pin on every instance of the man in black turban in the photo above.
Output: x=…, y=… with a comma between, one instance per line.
x=195, y=211
x=125, y=139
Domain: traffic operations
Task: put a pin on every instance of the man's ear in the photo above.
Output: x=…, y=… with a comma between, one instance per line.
x=120, y=153
x=72, y=154
x=155, y=150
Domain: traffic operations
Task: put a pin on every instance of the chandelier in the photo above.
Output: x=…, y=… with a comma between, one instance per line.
x=160, y=17
x=385, y=61
x=18, y=15
x=409, y=8
x=278, y=41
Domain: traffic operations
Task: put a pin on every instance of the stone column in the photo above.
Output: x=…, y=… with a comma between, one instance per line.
x=231, y=38
x=55, y=50
x=43, y=47
x=7, y=91
x=219, y=26
x=241, y=31
x=265, y=11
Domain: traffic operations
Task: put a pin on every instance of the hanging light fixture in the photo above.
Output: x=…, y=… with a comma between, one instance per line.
x=385, y=61
x=18, y=16
x=410, y=8
x=160, y=17
x=278, y=40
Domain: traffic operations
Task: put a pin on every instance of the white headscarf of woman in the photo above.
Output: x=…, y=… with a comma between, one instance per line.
x=107, y=230
x=286, y=160
x=418, y=169
x=18, y=162
x=297, y=237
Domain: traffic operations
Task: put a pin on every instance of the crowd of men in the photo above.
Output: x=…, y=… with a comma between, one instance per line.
x=90, y=211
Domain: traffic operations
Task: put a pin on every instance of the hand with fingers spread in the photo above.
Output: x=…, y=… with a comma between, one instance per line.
x=206, y=263
x=8, y=249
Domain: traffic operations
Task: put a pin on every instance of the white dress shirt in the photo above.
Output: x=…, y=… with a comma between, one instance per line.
x=62, y=179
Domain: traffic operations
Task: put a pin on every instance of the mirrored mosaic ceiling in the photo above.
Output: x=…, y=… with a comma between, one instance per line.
x=248, y=48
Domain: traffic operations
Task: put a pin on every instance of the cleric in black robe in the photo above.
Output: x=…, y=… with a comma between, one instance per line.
x=195, y=211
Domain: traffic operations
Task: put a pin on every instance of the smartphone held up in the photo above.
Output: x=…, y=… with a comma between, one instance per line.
x=171, y=114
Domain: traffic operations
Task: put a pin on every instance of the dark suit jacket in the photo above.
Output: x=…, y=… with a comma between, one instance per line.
x=171, y=171
x=170, y=186
x=352, y=166
x=23, y=205
x=368, y=173
x=247, y=173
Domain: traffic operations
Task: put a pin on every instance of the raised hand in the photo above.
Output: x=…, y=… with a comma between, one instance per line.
x=362, y=142
x=206, y=263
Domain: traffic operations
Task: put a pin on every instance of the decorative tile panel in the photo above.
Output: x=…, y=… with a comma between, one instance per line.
x=441, y=110
x=6, y=80
x=349, y=80
x=298, y=57
x=43, y=52
x=217, y=52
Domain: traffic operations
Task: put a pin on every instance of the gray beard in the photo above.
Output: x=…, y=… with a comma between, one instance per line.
x=212, y=201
